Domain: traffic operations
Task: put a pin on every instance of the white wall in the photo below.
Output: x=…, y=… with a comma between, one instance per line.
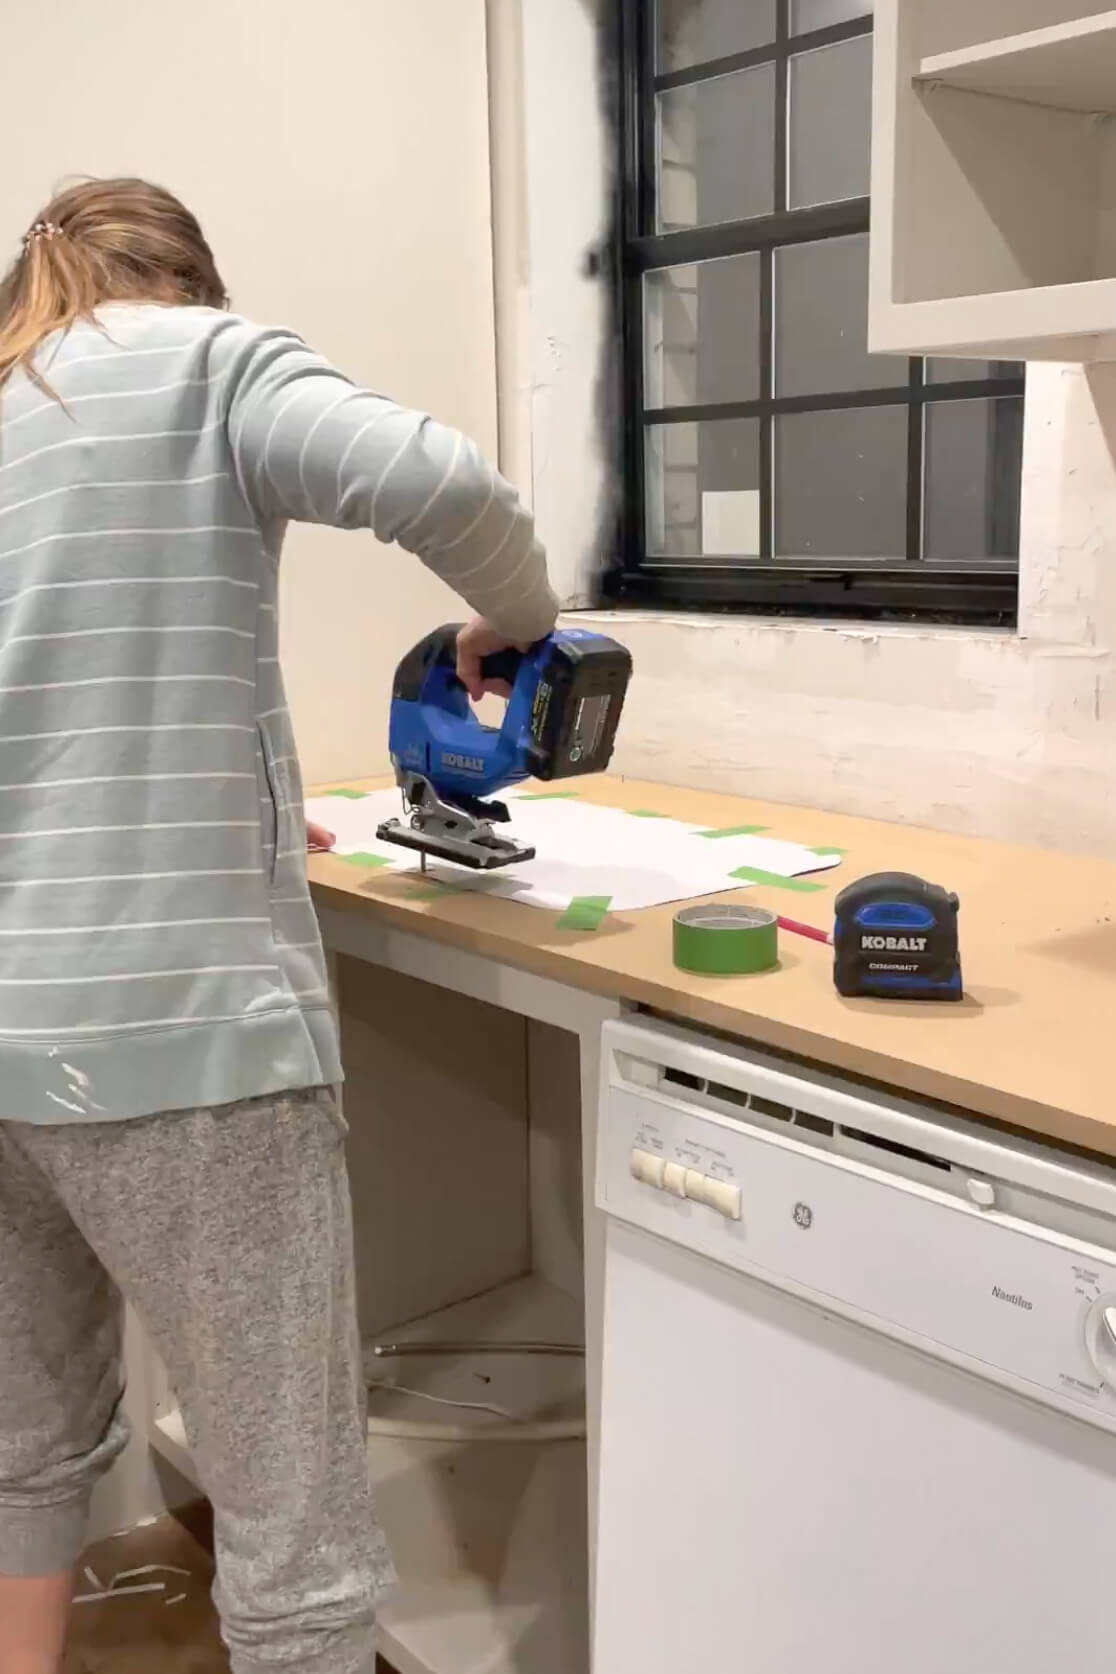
x=1002, y=734
x=337, y=155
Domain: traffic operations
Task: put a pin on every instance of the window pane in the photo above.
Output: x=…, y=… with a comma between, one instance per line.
x=972, y=481
x=702, y=333
x=830, y=123
x=717, y=150
x=695, y=31
x=819, y=14
x=841, y=484
x=703, y=489
x=821, y=321
x=943, y=371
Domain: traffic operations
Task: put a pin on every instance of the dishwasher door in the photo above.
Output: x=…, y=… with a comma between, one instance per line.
x=859, y=1429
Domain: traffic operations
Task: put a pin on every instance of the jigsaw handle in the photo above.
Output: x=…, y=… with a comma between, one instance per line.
x=498, y=665
x=502, y=665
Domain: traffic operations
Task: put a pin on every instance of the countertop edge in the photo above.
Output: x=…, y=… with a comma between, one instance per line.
x=1033, y=1119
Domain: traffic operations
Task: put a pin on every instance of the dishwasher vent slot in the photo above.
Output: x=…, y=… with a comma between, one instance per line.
x=680, y=1078
x=737, y=1095
x=893, y=1147
x=769, y=1107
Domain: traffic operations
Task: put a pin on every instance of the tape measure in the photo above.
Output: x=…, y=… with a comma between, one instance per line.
x=714, y=940
x=895, y=938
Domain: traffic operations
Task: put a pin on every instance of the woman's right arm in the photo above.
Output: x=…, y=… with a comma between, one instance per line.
x=311, y=447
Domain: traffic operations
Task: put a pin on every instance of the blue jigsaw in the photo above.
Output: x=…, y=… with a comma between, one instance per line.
x=561, y=717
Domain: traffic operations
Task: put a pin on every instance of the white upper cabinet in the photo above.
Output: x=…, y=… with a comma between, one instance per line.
x=994, y=179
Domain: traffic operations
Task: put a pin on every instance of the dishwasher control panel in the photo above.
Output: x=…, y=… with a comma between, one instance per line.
x=690, y=1183
x=943, y=1267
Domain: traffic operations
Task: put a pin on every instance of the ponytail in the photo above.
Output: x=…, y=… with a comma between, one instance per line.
x=101, y=241
x=49, y=288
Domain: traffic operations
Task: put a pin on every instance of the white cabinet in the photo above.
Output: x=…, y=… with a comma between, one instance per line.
x=994, y=179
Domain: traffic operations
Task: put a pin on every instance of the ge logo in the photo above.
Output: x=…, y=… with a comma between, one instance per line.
x=803, y=1216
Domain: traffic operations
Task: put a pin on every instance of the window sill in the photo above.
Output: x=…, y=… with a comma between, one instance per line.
x=984, y=595
x=708, y=622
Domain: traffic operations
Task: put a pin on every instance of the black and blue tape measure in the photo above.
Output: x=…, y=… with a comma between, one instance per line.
x=895, y=937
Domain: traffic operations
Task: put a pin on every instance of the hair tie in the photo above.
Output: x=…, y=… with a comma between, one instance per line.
x=41, y=229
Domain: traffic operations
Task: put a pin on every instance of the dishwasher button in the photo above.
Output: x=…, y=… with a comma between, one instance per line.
x=723, y=1196
x=982, y=1193
x=695, y=1184
x=674, y=1179
x=648, y=1169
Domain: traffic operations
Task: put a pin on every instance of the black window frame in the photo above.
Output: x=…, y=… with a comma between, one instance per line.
x=982, y=591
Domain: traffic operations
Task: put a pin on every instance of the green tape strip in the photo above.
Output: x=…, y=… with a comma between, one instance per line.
x=432, y=892
x=733, y=831
x=646, y=814
x=366, y=860
x=827, y=849
x=350, y=795
x=548, y=796
x=774, y=880
x=585, y=912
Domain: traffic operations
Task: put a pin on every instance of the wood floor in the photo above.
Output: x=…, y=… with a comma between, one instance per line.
x=171, y=1629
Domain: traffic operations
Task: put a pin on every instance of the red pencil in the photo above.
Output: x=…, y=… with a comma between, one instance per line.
x=809, y=930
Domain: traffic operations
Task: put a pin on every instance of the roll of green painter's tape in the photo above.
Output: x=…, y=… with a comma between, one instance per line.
x=725, y=941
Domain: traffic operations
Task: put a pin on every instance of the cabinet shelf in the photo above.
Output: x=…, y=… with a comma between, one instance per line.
x=1071, y=322
x=490, y=1538
x=1070, y=66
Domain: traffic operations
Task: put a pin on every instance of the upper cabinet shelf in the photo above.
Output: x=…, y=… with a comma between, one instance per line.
x=994, y=179
x=1068, y=66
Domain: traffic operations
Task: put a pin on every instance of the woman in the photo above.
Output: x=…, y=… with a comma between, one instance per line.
x=168, y=1132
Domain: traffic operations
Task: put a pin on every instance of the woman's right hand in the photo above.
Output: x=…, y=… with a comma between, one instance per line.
x=477, y=640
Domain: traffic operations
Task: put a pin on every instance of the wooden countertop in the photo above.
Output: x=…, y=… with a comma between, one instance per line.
x=1028, y=1047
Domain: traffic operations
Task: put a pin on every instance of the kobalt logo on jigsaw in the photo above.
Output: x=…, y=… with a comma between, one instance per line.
x=464, y=764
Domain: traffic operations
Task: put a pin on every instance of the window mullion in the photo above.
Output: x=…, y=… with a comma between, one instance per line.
x=916, y=437
x=767, y=390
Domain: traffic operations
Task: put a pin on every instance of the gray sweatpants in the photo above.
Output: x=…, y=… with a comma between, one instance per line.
x=231, y=1233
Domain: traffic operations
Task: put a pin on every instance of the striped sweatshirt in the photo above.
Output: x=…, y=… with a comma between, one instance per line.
x=158, y=946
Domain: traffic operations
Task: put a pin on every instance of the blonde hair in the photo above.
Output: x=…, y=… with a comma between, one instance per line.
x=101, y=241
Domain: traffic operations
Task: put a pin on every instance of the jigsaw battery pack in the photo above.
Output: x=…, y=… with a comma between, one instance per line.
x=895, y=937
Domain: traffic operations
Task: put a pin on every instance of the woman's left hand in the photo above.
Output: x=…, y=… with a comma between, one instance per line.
x=318, y=839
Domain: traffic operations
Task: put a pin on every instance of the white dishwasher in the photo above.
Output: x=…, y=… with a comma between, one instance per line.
x=860, y=1361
